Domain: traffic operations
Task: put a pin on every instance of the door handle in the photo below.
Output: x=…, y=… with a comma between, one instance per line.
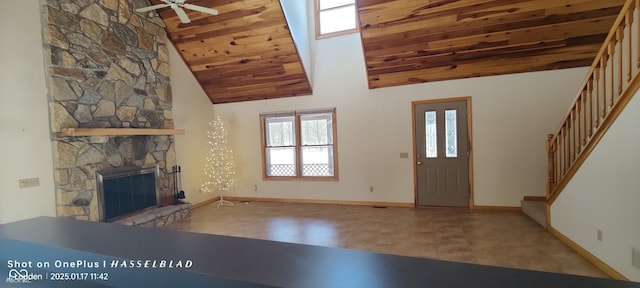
x=419, y=162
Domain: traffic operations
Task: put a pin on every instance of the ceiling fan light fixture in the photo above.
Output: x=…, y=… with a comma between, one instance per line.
x=177, y=6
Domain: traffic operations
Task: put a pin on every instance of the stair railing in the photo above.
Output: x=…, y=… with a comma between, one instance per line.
x=611, y=82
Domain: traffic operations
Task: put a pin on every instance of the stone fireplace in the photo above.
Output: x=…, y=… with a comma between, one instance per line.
x=106, y=67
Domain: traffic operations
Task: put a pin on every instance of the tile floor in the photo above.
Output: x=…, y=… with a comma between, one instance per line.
x=507, y=239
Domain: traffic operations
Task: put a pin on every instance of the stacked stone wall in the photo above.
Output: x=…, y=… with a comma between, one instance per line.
x=106, y=67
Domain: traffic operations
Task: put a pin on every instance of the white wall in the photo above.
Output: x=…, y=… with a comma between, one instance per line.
x=25, y=146
x=604, y=194
x=512, y=115
x=192, y=111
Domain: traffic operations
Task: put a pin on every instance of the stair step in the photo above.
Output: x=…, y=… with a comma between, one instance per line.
x=536, y=210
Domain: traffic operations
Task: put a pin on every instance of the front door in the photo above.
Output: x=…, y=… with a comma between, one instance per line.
x=442, y=153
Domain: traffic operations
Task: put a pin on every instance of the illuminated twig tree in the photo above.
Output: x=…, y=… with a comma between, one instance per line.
x=220, y=166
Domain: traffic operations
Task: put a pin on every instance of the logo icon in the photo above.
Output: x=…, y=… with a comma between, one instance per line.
x=21, y=276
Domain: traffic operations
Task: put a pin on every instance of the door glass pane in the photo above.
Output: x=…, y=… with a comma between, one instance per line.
x=431, y=135
x=452, y=133
x=281, y=161
x=317, y=161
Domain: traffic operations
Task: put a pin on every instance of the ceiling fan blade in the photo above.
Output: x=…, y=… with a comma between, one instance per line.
x=181, y=14
x=200, y=9
x=151, y=8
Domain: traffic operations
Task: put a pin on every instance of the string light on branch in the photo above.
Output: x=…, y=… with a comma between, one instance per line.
x=220, y=166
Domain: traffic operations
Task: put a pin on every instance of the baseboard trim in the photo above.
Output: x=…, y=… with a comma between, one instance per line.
x=497, y=208
x=205, y=202
x=535, y=198
x=315, y=201
x=586, y=254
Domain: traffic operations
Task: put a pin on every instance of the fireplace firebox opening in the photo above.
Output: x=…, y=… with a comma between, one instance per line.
x=127, y=190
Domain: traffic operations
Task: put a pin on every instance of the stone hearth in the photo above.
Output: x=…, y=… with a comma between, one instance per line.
x=158, y=217
x=106, y=67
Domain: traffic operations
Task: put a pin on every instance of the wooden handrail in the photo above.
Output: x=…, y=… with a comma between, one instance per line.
x=610, y=83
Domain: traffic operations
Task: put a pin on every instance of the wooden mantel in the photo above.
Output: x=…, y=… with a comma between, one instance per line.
x=77, y=132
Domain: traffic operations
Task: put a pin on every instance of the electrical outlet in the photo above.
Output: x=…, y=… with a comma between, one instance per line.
x=599, y=235
x=30, y=182
x=635, y=258
x=371, y=189
x=255, y=188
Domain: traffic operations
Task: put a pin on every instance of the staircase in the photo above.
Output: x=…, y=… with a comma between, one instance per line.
x=611, y=82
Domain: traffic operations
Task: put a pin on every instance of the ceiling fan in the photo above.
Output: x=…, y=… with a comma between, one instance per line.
x=177, y=6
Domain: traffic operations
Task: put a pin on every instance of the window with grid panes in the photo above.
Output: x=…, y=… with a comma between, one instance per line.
x=299, y=144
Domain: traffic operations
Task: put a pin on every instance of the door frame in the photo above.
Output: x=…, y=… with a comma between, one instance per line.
x=415, y=149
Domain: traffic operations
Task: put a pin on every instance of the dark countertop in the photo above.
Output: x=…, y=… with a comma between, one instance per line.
x=223, y=261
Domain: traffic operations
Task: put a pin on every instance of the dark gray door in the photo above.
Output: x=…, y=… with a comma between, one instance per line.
x=442, y=154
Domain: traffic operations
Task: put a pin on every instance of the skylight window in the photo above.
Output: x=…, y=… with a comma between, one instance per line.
x=335, y=17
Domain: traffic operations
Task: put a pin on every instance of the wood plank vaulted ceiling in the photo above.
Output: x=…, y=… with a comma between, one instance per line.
x=247, y=52
x=244, y=53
